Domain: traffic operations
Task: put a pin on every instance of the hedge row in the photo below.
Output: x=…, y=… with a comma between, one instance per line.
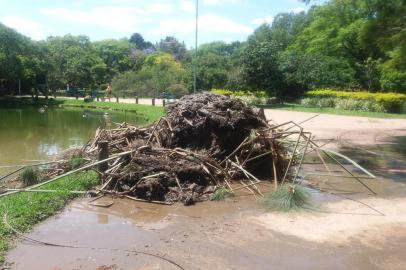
x=241, y=93
x=389, y=102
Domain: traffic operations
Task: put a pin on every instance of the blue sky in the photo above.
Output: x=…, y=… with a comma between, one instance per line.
x=226, y=20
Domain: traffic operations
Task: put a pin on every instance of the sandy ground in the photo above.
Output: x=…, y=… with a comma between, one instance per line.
x=343, y=129
x=347, y=231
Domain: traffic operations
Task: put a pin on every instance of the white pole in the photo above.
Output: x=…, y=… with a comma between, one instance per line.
x=195, y=62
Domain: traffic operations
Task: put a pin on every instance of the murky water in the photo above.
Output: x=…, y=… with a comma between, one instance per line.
x=29, y=134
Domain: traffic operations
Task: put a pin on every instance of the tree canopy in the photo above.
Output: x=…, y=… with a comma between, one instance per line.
x=352, y=44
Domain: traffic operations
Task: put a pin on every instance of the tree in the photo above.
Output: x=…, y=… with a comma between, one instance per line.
x=140, y=42
x=172, y=46
x=21, y=59
x=159, y=72
x=260, y=62
x=116, y=55
x=72, y=59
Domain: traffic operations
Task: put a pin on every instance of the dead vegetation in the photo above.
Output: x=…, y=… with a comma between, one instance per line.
x=207, y=146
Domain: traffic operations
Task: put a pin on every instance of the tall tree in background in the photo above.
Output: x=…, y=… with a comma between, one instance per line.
x=140, y=42
x=172, y=46
x=21, y=59
x=73, y=59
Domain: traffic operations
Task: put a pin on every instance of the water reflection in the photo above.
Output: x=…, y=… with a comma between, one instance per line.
x=28, y=134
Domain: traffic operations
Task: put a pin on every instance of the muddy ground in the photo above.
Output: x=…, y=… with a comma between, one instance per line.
x=350, y=230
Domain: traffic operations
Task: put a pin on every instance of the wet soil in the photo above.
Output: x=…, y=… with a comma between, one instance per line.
x=348, y=229
x=210, y=235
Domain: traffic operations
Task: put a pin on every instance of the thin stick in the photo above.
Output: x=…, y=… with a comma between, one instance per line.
x=69, y=173
x=33, y=165
x=301, y=160
x=142, y=200
x=293, y=155
x=357, y=178
x=46, y=190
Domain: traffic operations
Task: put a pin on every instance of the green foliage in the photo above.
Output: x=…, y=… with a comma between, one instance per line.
x=252, y=98
x=24, y=210
x=20, y=58
x=74, y=60
x=288, y=197
x=391, y=102
x=178, y=90
x=149, y=113
x=76, y=162
x=29, y=176
x=220, y=194
x=172, y=46
x=117, y=57
x=158, y=73
x=346, y=44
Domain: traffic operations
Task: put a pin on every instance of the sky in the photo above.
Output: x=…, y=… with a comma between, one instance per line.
x=219, y=20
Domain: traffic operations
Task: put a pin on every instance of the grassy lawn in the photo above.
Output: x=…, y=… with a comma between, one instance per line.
x=301, y=108
x=150, y=113
x=25, y=209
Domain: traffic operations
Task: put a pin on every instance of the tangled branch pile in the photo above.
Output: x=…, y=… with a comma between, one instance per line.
x=205, y=141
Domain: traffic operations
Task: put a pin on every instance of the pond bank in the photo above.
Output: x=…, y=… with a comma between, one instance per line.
x=23, y=210
x=149, y=112
x=349, y=231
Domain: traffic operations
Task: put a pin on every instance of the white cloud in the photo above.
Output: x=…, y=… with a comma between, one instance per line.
x=267, y=19
x=159, y=9
x=188, y=6
x=24, y=26
x=212, y=2
x=207, y=23
x=119, y=18
x=298, y=10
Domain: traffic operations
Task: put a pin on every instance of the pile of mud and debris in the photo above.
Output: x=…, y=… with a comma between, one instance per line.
x=205, y=145
x=205, y=141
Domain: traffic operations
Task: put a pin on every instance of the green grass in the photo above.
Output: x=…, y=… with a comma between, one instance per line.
x=221, y=194
x=29, y=176
x=300, y=108
x=76, y=162
x=288, y=197
x=150, y=113
x=25, y=209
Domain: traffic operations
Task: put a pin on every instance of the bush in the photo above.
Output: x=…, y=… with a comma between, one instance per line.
x=343, y=104
x=349, y=104
x=220, y=194
x=249, y=97
x=309, y=102
x=178, y=90
x=29, y=176
x=326, y=102
x=390, y=102
x=288, y=197
x=76, y=162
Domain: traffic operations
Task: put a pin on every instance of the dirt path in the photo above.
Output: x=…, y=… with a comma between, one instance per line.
x=343, y=129
x=348, y=231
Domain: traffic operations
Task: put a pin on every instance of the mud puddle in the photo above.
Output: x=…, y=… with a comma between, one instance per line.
x=210, y=235
x=363, y=232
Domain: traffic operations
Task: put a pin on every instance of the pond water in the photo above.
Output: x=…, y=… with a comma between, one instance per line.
x=29, y=134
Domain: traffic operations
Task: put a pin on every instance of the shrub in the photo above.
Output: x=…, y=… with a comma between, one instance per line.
x=390, y=102
x=29, y=176
x=249, y=97
x=178, y=90
x=221, y=194
x=76, y=162
x=288, y=197
x=309, y=102
x=326, y=102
